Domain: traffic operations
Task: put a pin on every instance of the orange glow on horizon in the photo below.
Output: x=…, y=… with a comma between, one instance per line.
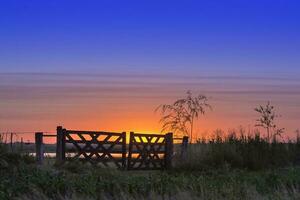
x=126, y=104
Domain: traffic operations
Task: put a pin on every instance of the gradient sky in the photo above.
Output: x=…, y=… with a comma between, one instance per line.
x=106, y=65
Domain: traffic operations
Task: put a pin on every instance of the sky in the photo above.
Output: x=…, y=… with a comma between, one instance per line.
x=106, y=65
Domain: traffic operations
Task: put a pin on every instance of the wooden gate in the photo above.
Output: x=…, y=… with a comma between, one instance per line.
x=105, y=148
x=150, y=151
x=146, y=151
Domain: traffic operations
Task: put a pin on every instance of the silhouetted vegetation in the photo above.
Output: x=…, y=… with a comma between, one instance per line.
x=240, y=151
x=180, y=116
x=86, y=182
x=267, y=121
x=235, y=166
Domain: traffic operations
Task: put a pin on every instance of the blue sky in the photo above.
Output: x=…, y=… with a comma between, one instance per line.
x=240, y=37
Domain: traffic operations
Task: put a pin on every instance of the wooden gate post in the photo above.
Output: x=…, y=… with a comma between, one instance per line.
x=39, y=148
x=124, y=150
x=60, y=145
x=184, y=145
x=169, y=150
x=131, y=137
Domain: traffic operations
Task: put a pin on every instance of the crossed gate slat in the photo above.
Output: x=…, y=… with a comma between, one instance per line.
x=152, y=151
x=147, y=151
x=94, y=156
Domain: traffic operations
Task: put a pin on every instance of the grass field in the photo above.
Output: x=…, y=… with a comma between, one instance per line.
x=76, y=181
x=220, y=168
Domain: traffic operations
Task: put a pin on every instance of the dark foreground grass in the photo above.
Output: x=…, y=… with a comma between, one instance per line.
x=22, y=180
x=237, y=151
x=228, y=167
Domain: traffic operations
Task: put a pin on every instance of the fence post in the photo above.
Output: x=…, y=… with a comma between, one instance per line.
x=130, y=150
x=169, y=150
x=21, y=145
x=124, y=150
x=184, y=145
x=60, y=145
x=11, y=142
x=39, y=148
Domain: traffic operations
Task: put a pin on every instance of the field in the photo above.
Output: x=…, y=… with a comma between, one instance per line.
x=228, y=168
x=75, y=181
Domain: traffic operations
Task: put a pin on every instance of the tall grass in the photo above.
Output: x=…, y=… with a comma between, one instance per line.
x=238, y=150
x=30, y=182
x=237, y=166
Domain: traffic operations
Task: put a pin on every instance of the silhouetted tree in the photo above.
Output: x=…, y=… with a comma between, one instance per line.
x=267, y=121
x=181, y=115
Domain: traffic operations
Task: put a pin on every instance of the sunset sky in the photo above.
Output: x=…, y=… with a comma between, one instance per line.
x=106, y=65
